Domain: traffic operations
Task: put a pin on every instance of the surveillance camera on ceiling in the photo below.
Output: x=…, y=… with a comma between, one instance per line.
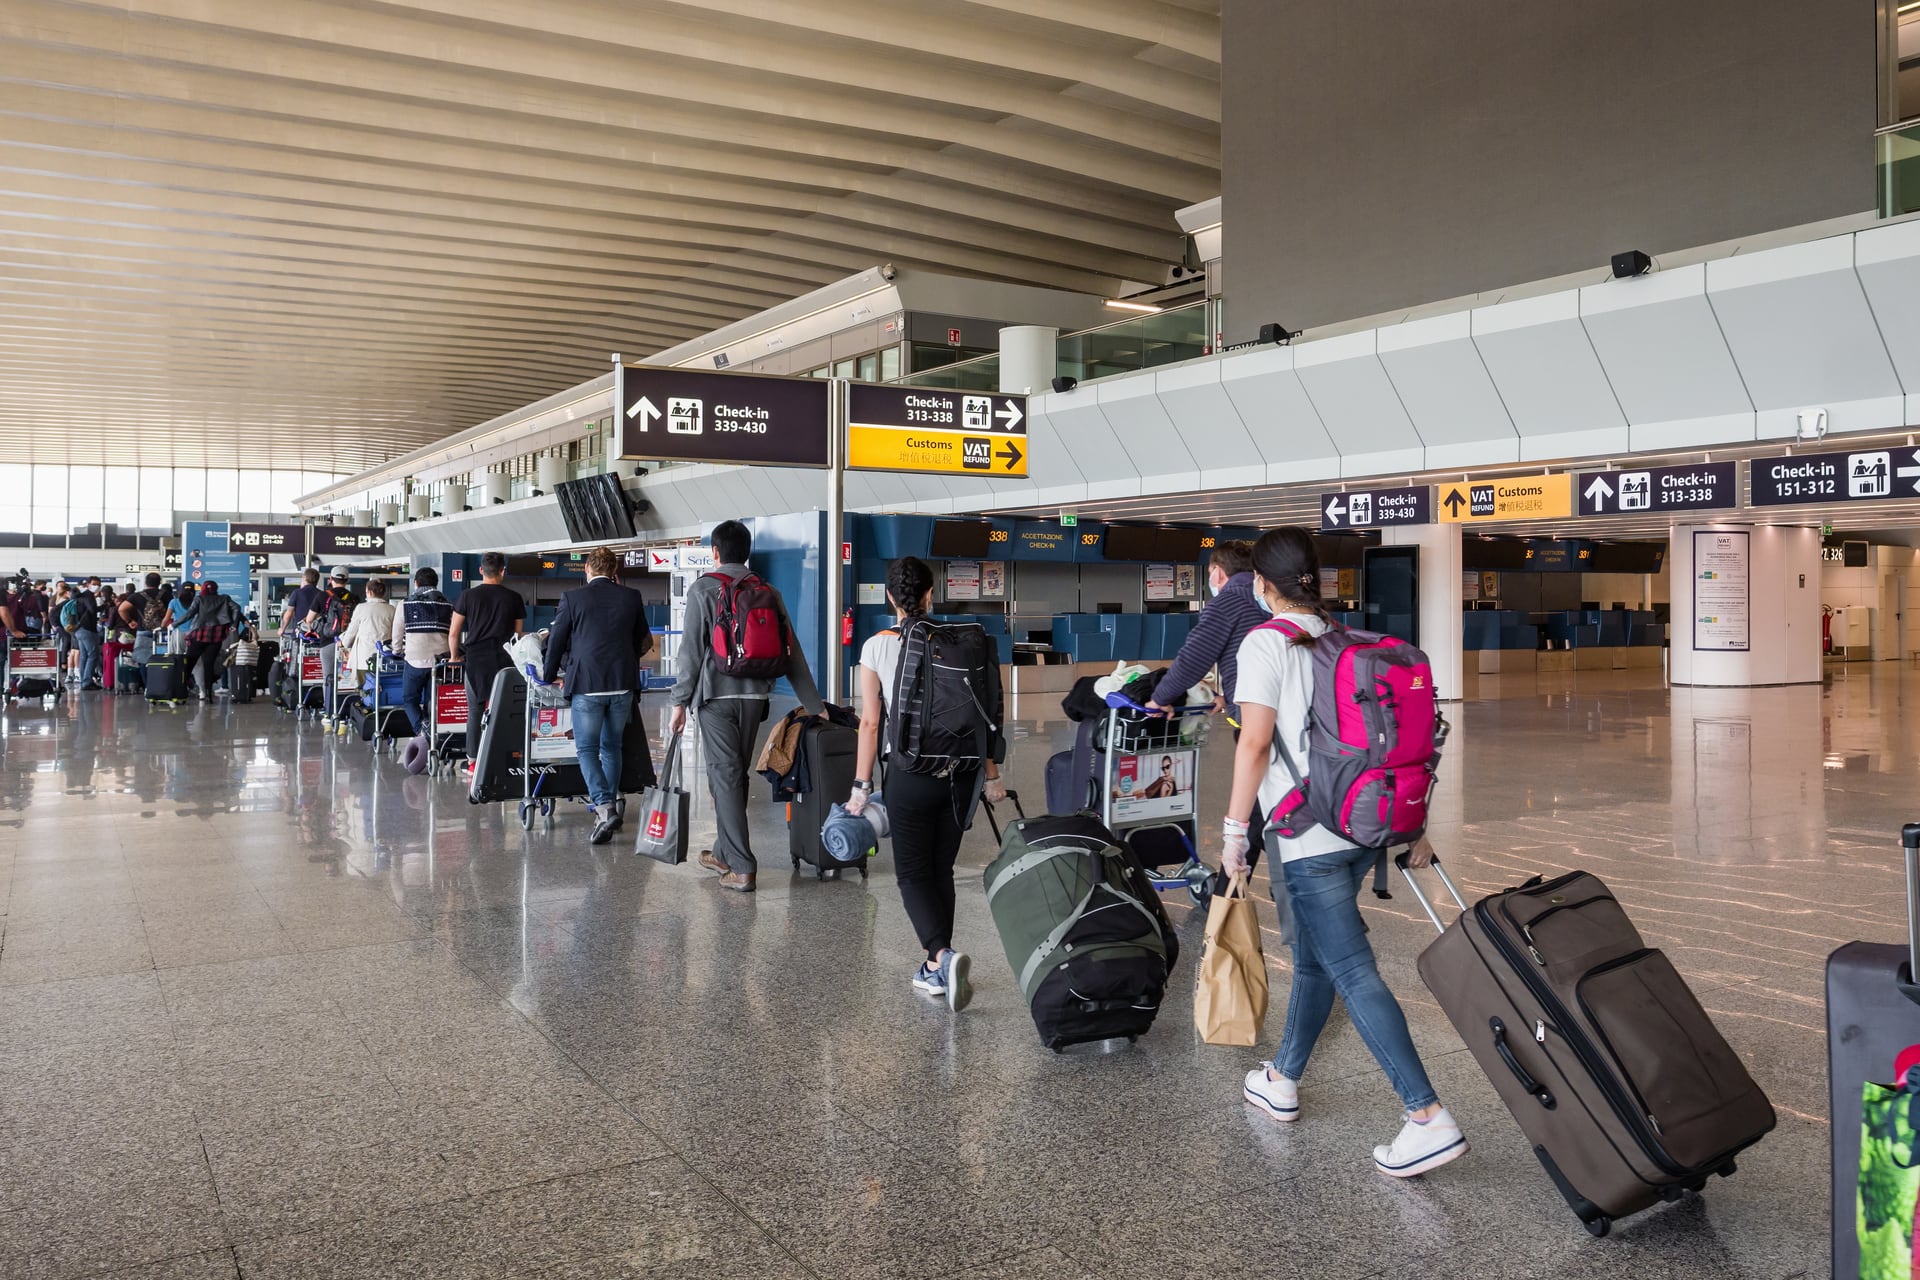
x=886, y=271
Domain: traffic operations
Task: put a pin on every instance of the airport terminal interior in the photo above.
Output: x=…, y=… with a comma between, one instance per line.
x=384, y=388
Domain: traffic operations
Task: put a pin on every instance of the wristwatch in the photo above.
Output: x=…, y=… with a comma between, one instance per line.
x=862, y=784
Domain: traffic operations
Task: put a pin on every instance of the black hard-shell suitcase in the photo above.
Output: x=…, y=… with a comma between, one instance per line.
x=241, y=683
x=166, y=678
x=832, y=754
x=1625, y=1089
x=498, y=764
x=1873, y=1013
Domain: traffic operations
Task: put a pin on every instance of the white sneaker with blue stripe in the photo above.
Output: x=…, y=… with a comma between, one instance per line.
x=954, y=970
x=1421, y=1147
x=931, y=979
x=1277, y=1099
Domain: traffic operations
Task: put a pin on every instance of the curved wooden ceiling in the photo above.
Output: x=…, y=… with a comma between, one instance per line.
x=319, y=233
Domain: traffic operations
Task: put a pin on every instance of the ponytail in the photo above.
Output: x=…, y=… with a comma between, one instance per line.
x=908, y=582
x=1290, y=564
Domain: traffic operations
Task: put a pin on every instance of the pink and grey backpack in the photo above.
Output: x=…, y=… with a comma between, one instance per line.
x=1374, y=739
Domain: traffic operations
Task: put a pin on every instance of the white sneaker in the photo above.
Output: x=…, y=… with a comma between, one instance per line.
x=1421, y=1147
x=959, y=990
x=1277, y=1099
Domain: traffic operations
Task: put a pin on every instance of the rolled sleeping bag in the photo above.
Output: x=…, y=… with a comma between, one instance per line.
x=846, y=838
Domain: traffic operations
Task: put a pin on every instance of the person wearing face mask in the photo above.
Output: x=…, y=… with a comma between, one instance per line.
x=1321, y=870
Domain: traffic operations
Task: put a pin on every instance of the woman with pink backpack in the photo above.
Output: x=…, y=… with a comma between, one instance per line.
x=1322, y=869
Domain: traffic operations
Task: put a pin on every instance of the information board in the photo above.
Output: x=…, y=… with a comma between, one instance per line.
x=1866, y=475
x=1509, y=498
x=928, y=430
x=1376, y=508
x=1707, y=486
x=1722, y=600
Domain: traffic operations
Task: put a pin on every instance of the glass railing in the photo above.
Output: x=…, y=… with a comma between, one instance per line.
x=1897, y=169
x=1138, y=342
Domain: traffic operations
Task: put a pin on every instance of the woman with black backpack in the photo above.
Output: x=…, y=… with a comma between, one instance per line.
x=928, y=811
x=1322, y=872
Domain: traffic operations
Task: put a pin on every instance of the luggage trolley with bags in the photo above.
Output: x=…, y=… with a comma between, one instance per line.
x=1146, y=779
x=447, y=717
x=527, y=755
x=307, y=688
x=33, y=670
x=1625, y=1089
x=376, y=712
x=1873, y=1048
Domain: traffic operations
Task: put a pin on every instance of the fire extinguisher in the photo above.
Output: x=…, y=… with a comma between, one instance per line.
x=846, y=628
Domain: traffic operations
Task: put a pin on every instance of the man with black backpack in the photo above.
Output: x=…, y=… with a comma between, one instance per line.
x=737, y=641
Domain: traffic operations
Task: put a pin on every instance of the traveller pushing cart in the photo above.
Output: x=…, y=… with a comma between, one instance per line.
x=552, y=769
x=1148, y=787
x=314, y=687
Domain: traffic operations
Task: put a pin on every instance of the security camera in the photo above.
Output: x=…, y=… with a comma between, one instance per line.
x=886, y=271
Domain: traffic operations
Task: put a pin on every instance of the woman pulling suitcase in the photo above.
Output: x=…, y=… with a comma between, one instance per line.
x=928, y=811
x=1321, y=871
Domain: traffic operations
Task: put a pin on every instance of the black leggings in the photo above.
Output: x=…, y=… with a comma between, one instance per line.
x=928, y=816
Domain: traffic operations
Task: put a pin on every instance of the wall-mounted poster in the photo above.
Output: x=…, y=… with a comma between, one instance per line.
x=1470, y=585
x=1160, y=582
x=963, y=579
x=1184, y=584
x=993, y=580
x=1722, y=600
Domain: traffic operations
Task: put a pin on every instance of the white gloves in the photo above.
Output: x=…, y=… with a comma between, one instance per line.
x=995, y=792
x=1234, y=846
x=857, y=801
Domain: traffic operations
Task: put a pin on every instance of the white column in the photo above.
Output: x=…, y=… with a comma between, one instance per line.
x=549, y=471
x=496, y=488
x=387, y=514
x=1026, y=358
x=363, y=518
x=1783, y=608
x=420, y=506
x=454, y=500
x=1442, y=635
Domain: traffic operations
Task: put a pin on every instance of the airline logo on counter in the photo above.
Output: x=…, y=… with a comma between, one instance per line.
x=1866, y=476
x=1376, y=508
x=1709, y=486
x=927, y=430
x=1509, y=498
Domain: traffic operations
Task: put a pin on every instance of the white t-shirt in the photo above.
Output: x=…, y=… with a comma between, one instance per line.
x=1277, y=673
x=881, y=655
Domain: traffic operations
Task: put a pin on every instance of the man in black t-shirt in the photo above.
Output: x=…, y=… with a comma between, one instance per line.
x=485, y=618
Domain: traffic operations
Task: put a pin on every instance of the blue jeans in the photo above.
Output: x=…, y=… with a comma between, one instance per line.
x=414, y=684
x=599, y=724
x=89, y=645
x=142, y=653
x=1331, y=954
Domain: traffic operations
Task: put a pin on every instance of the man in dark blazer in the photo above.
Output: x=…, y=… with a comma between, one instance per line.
x=595, y=647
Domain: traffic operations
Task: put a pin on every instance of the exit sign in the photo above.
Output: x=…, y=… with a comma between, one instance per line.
x=1068, y=520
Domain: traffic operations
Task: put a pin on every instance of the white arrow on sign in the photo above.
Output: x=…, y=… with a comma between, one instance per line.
x=1905, y=472
x=1335, y=510
x=1598, y=492
x=1009, y=415
x=646, y=410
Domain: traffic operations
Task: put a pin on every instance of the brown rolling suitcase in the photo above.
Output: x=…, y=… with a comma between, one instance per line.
x=1619, y=1079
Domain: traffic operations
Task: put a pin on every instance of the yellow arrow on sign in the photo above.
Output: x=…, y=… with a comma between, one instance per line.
x=1508, y=498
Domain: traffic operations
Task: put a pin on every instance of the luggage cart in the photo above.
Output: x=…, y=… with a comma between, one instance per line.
x=447, y=717
x=552, y=764
x=311, y=671
x=1149, y=780
x=373, y=688
x=33, y=671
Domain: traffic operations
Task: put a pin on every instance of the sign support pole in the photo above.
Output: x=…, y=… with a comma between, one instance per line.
x=836, y=660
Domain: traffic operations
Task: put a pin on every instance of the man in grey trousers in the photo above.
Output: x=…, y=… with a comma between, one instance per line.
x=731, y=708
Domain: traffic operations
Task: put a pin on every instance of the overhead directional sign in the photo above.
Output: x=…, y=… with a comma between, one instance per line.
x=693, y=416
x=1867, y=475
x=928, y=430
x=269, y=539
x=347, y=540
x=1509, y=498
x=1376, y=508
x=1708, y=486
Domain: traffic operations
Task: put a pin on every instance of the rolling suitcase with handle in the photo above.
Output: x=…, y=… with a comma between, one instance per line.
x=1873, y=1018
x=832, y=753
x=1626, y=1090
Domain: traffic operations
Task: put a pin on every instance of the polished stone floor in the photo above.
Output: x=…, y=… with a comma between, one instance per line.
x=271, y=1007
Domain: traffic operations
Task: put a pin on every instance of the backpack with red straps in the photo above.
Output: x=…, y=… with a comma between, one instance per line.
x=1373, y=740
x=749, y=640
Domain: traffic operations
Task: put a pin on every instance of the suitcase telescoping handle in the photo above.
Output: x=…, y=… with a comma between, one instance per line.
x=1014, y=798
x=1419, y=894
x=1910, y=842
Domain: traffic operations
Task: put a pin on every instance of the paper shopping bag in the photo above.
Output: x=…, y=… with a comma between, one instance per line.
x=663, y=814
x=1230, y=1000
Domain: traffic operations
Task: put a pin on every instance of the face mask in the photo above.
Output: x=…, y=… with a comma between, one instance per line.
x=1260, y=597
